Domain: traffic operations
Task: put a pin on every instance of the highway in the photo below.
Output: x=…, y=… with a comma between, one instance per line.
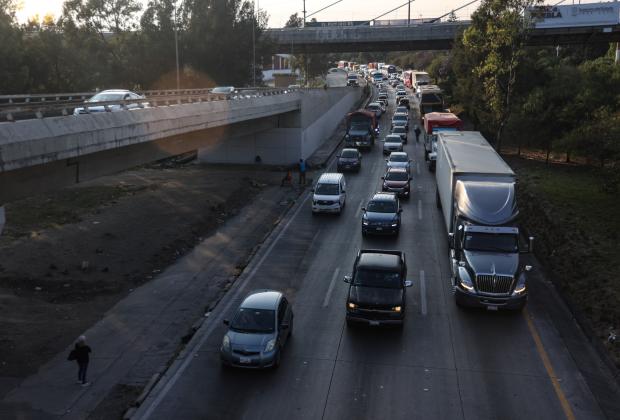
x=445, y=363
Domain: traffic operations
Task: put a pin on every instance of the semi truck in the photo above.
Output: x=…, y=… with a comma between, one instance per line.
x=431, y=99
x=362, y=127
x=433, y=123
x=477, y=197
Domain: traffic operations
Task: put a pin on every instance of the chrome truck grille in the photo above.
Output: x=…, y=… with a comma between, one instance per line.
x=489, y=283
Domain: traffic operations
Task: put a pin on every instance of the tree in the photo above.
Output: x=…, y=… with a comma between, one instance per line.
x=103, y=15
x=496, y=39
x=452, y=17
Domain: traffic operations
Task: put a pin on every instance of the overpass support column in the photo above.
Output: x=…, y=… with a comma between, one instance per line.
x=617, y=52
x=2, y=218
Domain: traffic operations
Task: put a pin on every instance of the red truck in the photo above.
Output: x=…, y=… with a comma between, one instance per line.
x=433, y=122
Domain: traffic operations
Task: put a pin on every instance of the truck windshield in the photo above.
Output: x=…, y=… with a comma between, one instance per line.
x=358, y=126
x=377, y=278
x=491, y=242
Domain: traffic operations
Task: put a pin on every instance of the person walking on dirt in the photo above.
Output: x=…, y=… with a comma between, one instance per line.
x=81, y=355
x=302, y=172
x=417, y=134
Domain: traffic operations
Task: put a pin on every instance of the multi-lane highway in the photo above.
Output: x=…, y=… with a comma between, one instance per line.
x=445, y=363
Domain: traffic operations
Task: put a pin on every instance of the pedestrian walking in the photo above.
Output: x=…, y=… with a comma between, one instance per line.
x=302, y=172
x=417, y=134
x=80, y=354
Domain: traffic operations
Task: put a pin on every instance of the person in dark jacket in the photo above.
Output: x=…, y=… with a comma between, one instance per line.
x=81, y=353
x=417, y=132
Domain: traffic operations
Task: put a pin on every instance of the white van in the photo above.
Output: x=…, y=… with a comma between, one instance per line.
x=330, y=193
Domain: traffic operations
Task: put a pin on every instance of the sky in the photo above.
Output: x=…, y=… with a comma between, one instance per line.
x=280, y=10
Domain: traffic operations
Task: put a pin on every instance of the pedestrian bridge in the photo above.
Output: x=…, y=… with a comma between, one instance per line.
x=425, y=36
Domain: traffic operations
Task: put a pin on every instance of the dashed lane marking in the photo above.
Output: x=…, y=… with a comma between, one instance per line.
x=331, y=288
x=423, y=293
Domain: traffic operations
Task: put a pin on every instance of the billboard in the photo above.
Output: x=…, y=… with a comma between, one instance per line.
x=589, y=14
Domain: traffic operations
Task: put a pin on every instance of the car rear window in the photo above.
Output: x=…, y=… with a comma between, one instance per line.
x=349, y=154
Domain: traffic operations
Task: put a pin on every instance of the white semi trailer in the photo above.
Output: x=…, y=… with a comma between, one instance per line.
x=477, y=196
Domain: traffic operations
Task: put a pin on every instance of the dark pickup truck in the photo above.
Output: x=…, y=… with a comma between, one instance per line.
x=377, y=288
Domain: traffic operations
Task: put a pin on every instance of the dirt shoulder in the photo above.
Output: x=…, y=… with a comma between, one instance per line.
x=576, y=228
x=67, y=257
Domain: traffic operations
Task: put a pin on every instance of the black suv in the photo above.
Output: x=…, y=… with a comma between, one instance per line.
x=349, y=160
x=377, y=288
x=382, y=215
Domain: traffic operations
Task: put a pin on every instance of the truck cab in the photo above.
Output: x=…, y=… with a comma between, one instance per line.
x=377, y=288
x=486, y=268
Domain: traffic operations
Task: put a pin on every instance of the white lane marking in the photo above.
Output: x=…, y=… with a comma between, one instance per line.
x=420, y=209
x=331, y=288
x=422, y=293
x=218, y=319
x=359, y=209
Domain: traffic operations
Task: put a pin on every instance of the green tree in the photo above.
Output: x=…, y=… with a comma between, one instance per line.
x=496, y=39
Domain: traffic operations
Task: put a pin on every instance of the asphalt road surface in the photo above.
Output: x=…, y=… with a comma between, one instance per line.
x=445, y=363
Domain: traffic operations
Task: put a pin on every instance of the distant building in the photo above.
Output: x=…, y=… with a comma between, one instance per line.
x=280, y=68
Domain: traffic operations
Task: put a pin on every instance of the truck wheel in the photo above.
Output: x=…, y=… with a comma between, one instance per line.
x=437, y=200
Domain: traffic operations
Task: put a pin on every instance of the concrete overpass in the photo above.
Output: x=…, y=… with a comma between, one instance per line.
x=42, y=154
x=426, y=36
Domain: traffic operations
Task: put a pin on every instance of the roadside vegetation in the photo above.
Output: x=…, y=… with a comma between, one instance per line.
x=119, y=44
x=557, y=112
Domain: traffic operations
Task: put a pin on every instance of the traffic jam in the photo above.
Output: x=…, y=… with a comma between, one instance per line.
x=475, y=193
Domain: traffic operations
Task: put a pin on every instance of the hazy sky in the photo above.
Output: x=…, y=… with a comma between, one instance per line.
x=280, y=10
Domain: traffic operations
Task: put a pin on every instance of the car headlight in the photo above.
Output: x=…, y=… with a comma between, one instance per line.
x=465, y=280
x=394, y=224
x=226, y=343
x=365, y=222
x=351, y=305
x=270, y=345
x=521, y=287
x=346, y=136
x=397, y=308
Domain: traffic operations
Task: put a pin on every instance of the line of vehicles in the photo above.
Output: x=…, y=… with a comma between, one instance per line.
x=476, y=194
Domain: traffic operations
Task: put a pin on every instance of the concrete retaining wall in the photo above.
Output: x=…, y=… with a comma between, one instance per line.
x=40, y=141
x=321, y=112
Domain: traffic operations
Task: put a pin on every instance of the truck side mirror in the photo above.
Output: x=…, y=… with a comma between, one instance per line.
x=451, y=240
x=530, y=247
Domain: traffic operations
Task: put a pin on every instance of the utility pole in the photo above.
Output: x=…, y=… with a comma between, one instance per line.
x=176, y=45
x=304, y=23
x=409, y=13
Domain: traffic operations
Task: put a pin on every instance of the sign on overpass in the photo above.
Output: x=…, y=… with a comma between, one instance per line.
x=575, y=15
